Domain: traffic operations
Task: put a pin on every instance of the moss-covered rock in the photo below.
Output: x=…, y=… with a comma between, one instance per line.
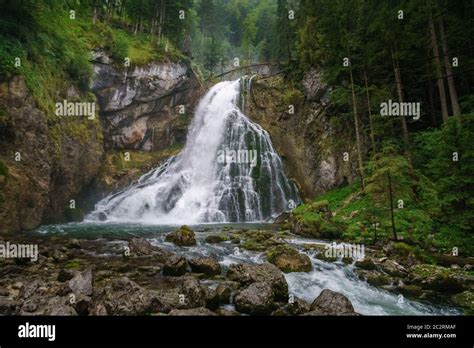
x=441, y=279
x=466, y=301
x=216, y=238
x=374, y=278
x=366, y=263
x=288, y=259
x=409, y=290
x=258, y=240
x=407, y=254
x=323, y=256
x=183, y=236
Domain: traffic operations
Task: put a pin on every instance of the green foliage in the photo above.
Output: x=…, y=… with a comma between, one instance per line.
x=453, y=180
x=10, y=49
x=317, y=220
x=293, y=97
x=120, y=46
x=3, y=169
x=73, y=265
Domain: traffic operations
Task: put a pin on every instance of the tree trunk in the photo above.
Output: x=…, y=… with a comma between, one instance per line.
x=398, y=81
x=162, y=19
x=434, y=122
x=356, y=123
x=372, y=137
x=439, y=75
x=449, y=72
x=394, y=231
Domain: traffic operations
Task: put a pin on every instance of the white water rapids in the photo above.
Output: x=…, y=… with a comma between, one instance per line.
x=228, y=171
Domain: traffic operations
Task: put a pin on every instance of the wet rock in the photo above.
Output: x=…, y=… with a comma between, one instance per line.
x=81, y=304
x=65, y=275
x=256, y=299
x=213, y=239
x=17, y=285
x=226, y=312
x=289, y=259
x=223, y=292
x=258, y=240
x=29, y=306
x=194, y=293
x=59, y=256
x=125, y=297
x=149, y=270
x=29, y=289
x=323, y=256
x=294, y=307
x=175, y=266
x=409, y=290
x=263, y=273
x=141, y=246
x=81, y=284
x=441, y=279
x=331, y=303
x=205, y=265
x=366, y=263
x=374, y=278
x=393, y=268
x=212, y=298
x=184, y=236
x=466, y=301
x=201, y=311
x=234, y=239
x=8, y=306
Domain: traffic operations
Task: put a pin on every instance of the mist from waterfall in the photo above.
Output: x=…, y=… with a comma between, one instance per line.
x=228, y=171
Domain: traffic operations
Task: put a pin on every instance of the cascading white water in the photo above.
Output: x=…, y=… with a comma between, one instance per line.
x=228, y=171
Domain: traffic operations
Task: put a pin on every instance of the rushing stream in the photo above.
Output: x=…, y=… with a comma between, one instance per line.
x=227, y=172
x=336, y=276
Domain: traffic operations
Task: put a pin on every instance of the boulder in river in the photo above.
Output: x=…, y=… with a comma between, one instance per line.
x=206, y=265
x=256, y=299
x=331, y=303
x=175, y=265
x=223, y=292
x=140, y=246
x=183, y=236
x=294, y=307
x=247, y=274
x=289, y=259
x=215, y=238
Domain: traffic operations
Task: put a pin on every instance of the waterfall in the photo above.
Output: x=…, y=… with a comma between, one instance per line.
x=228, y=171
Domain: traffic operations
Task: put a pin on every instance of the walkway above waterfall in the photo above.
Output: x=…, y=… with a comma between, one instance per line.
x=263, y=69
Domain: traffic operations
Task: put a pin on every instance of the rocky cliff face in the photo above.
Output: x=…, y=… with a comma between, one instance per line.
x=47, y=160
x=146, y=107
x=311, y=141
